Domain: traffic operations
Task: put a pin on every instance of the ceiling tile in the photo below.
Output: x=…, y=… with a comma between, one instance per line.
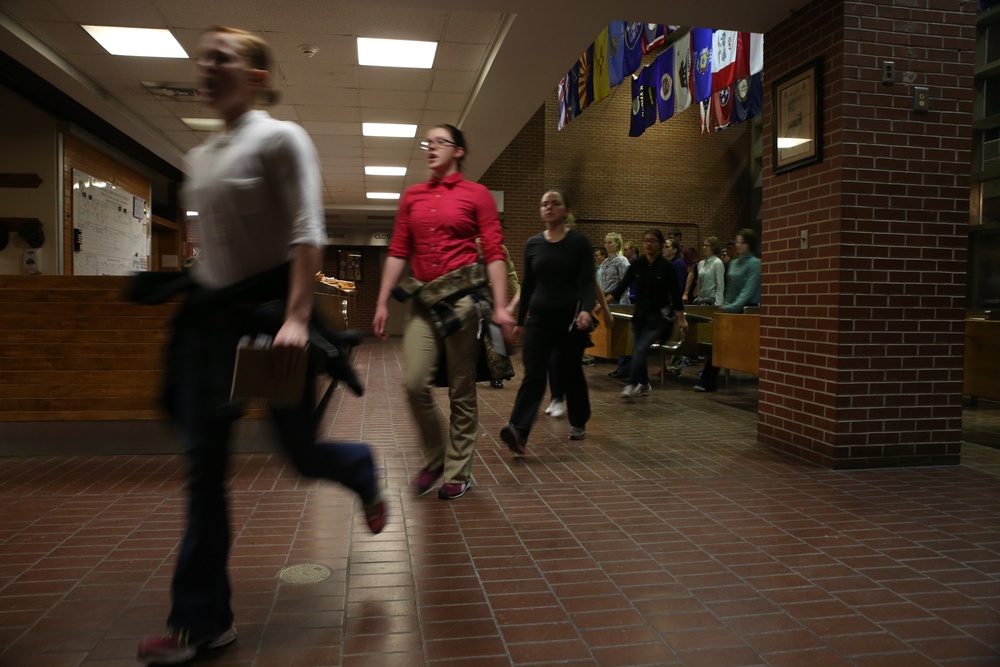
x=395, y=78
x=328, y=113
x=472, y=27
x=106, y=66
x=308, y=16
x=464, y=57
x=387, y=156
x=140, y=13
x=315, y=127
x=388, y=99
x=199, y=14
x=407, y=23
x=450, y=81
x=284, y=112
x=34, y=10
x=314, y=95
x=69, y=37
x=438, y=117
x=446, y=101
x=383, y=115
x=331, y=49
x=309, y=73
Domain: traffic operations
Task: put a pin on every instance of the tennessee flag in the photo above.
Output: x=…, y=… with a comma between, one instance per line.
x=723, y=58
x=722, y=104
x=602, y=79
x=682, y=73
x=701, y=63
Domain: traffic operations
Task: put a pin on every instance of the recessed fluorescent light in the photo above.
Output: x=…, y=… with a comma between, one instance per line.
x=385, y=171
x=203, y=124
x=388, y=130
x=396, y=53
x=149, y=42
x=383, y=195
x=192, y=214
x=789, y=142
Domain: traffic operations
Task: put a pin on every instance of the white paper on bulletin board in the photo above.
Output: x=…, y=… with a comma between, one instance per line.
x=111, y=229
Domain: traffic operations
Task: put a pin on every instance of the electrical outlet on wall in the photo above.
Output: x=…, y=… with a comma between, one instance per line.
x=31, y=262
x=803, y=239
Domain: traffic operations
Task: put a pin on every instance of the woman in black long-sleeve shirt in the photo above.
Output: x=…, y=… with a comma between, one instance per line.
x=557, y=296
x=657, y=291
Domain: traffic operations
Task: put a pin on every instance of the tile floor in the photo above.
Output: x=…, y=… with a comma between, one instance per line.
x=667, y=537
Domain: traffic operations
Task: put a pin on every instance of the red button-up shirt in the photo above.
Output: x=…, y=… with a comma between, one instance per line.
x=437, y=225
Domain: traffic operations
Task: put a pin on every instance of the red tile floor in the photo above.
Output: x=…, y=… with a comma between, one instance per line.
x=667, y=537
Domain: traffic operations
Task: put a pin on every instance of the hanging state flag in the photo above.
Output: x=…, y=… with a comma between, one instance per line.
x=701, y=63
x=643, y=102
x=722, y=105
x=705, y=109
x=616, y=52
x=756, y=104
x=756, y=53
x=742, y=65
x=633, y=47
x=653, y=36
x=741, y=100
x=663, y=70
x=723, y=58
x=602, y=79
x=585, y=78
x=563, y=112
x=682, y=73
x=572, y=94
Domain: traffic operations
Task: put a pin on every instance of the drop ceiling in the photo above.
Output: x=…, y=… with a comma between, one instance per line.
x=496, y=63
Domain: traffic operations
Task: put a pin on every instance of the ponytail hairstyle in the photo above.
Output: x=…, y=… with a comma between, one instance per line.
x=457, y=138
x=616, y=238
x=257, y=54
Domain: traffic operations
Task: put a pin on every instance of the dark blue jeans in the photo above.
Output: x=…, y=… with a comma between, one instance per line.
x=644, y=334
x=200, y=589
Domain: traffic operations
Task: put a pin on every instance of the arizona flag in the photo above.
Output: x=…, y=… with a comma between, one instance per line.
x=663, y=70
x=616, y=52
x=701, y=63
x=723, y=58
x=682, y=73
x=585, y=78
x=633, y=47
x=602, y=79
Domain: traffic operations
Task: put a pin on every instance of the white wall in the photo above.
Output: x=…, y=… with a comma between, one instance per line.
x=28, y=145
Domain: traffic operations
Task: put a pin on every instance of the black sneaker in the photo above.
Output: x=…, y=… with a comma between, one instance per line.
x=514, y=438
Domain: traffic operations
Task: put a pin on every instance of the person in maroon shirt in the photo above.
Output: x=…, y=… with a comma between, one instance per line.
x=437, y=225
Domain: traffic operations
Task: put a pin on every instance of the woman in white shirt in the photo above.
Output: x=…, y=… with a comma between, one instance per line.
x=711, y=275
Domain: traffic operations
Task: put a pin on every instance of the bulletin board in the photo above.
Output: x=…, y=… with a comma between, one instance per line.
x=111, y=229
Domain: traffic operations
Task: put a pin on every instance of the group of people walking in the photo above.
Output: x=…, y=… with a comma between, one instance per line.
x=256, y=187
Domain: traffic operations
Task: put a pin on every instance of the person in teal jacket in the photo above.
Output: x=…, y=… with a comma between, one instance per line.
x=742, y=289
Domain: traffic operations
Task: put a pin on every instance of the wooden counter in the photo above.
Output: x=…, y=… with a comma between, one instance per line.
x=982, y=359
x=736, y=342
x=618, y=342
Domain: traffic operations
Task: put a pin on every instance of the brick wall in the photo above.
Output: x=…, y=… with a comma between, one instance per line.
x=862, y=333
x=671, y=176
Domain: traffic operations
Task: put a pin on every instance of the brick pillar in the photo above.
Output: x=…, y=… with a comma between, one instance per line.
x=862, y=333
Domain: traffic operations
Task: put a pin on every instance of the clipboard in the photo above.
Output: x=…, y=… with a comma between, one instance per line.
x=255, y=385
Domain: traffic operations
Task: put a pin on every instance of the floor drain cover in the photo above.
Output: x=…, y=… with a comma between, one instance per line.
x=308, y=573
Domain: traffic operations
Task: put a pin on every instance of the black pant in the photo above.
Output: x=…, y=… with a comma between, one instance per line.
x=710, y=374
x=544, y=332
x=200, y=589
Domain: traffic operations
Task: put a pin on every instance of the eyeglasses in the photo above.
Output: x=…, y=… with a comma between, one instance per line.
x=436, y=143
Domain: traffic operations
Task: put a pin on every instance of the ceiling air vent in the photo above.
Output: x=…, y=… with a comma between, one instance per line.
x=174, y=91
